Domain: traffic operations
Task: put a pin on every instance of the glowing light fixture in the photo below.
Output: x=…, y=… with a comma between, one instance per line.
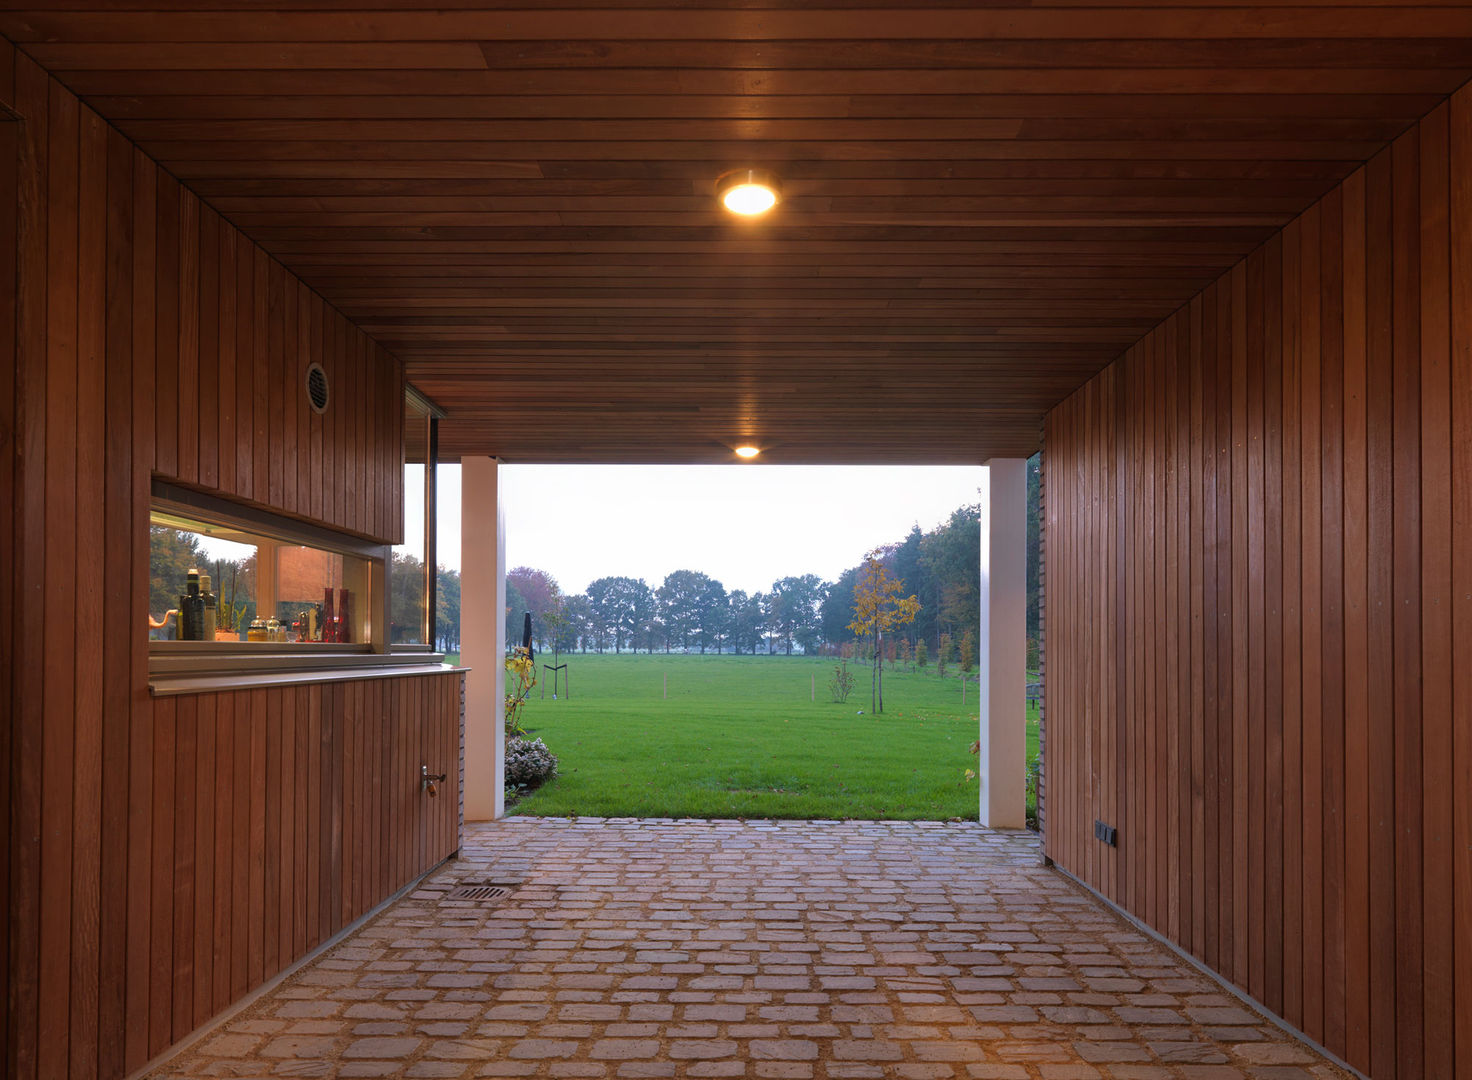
x=748, y=192
x=747, y=452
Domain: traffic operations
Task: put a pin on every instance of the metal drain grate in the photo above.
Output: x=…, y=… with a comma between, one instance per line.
x=478, y=892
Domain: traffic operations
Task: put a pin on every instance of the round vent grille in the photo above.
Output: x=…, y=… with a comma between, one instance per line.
x=317, y=387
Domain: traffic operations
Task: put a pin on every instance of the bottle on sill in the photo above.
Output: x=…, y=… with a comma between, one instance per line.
x=344, y=628
x=191, y=609
x=329, y=623
x=209, y=623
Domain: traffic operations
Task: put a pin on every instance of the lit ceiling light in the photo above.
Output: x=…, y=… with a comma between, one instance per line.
x=748, y=192
x=747, y=452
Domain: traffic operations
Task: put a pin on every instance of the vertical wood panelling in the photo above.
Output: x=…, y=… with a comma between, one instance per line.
x=59, y=698
x=1309, y=645
x=92, y=205
x=1460, y=170
x=1437, y=783
x=9, y=496
x=164, y=856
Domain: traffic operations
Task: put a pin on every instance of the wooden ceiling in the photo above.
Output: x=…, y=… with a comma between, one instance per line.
x=984, y=203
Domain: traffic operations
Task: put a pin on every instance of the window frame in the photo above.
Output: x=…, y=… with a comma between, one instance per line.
x=193, y=659
x=433, y=415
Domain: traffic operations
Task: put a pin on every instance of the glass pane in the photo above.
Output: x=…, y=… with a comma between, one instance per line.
x=407, y=580
x=220, y=583
x=447, y=554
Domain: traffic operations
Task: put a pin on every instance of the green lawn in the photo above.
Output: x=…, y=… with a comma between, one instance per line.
x=739, y=737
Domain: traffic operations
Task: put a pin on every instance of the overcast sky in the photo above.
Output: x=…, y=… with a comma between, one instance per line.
x=745, y=525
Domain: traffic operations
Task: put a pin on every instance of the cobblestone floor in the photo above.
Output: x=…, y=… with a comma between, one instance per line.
x=782, y=950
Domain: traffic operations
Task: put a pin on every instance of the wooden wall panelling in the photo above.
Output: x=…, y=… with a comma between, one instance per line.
x=1311, y=601
x=31, y=92
x=1292, y=625
x=184, y=872
x=245, y=367
x=140, y=710
x=240, y=850
x=207, y=331
x=1437, y=784
x=1402, y=835
x=222, y=831
x=1211, y=869
x=292, y=395
x=357, y=403
x=270, y=705
x=1323, y=531
x=1460, y=152
x=225, y=343
x=91, y=406
x=206, y=845
x=117, y=610
x=274, y=365
x=1237, y=523
x=1382, y=569
x=1178, y=578
x=166, y=335
x=260, y=370
x=10, y=546
x=1356, y=651
x=142, y=833
x=62, y=445
x=316, y=461
x=1331, y=577
x=1255, y=535
x=7, y=76
x=1194, y=533
x=187, y=423
x=1226, y=878
x=331, y=486
x=1274, y=718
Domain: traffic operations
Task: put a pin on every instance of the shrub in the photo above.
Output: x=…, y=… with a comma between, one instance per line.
x=942, y=655
x=842, y=683
x=521, y=676
x=529, y=764
x=922, y=654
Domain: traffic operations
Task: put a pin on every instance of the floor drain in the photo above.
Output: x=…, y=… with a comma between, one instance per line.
x=478, y=892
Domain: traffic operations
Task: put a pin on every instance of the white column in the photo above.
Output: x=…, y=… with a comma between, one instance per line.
x=1003, y=639
x=483, y=636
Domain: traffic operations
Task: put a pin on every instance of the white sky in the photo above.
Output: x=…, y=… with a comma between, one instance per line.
x=745, y=525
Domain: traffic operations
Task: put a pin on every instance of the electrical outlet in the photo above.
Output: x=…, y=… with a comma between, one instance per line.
x=1107, y=833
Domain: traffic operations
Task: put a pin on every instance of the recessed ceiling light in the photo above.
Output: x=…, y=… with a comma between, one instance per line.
x=747, y=451
x=748, y=192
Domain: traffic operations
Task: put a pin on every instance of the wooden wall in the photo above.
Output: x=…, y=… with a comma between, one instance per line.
x=1259, y=613
x=164, y=857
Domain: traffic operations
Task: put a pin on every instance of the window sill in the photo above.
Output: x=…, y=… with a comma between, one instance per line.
x=202, y=674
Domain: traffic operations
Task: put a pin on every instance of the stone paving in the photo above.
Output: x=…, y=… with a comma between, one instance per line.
x=644, y=949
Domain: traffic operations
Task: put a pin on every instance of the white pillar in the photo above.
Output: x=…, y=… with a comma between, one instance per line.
x=483, y=636
x=1003, y=684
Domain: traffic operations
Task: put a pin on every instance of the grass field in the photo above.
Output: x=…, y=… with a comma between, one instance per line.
x=739, y=736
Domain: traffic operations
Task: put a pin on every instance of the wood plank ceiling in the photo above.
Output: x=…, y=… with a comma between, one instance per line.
x=984, y=203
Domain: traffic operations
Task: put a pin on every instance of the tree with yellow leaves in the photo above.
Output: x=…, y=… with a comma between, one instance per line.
x=879, y=606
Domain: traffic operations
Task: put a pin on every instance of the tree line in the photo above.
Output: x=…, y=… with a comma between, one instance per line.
x=692, y=611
